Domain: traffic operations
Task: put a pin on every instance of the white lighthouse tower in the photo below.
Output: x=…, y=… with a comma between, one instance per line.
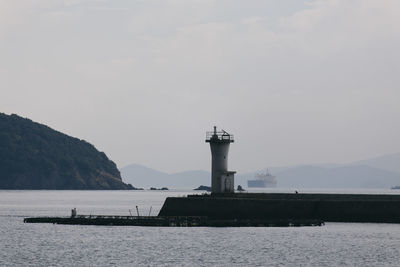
x=222, y=180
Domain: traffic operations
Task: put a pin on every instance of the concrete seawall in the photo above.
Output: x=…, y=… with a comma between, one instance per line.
x=325, y=207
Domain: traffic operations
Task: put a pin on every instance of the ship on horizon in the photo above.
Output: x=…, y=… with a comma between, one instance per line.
x=263, y=180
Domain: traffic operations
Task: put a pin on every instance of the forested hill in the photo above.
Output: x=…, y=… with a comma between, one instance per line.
x=34, y=156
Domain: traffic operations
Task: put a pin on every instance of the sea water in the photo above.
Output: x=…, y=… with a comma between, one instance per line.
x=335, y=244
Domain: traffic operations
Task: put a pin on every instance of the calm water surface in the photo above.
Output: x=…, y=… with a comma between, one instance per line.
x=335, y=244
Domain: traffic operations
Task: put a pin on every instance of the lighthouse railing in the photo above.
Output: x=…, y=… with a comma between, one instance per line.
x=220, y=135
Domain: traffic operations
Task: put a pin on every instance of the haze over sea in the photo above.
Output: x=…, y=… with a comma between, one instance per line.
x=22, y=244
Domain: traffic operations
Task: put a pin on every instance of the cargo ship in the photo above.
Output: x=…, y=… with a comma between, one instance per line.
x=263, y=180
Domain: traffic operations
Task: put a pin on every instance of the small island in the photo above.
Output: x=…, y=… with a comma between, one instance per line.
x=203, y=188
x=161, y=189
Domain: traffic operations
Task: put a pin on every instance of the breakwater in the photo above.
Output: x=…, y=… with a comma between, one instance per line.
x=279, y=206
x=170, y=221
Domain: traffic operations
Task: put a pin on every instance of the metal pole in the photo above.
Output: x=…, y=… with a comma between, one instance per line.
x=150, y=210
x=137, y=210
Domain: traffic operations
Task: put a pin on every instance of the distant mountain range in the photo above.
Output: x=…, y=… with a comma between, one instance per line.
x=34, y=156
x=145, y=177
x=353, y=176
x=387, y=162
x=378, y=172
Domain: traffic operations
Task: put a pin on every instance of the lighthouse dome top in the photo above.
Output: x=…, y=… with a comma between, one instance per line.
x=219, y=136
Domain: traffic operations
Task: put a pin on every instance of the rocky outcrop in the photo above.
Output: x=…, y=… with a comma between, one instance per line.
x=203, y=188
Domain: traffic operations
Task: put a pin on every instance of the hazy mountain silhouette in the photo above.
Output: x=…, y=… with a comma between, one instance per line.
x=146, y=177
x=377, y=172
x=387, y=162
x=357, y=176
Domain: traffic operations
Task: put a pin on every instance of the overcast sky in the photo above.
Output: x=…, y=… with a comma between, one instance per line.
x=295, y=81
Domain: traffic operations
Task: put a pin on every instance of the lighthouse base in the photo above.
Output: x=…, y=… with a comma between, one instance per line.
x=224, y=183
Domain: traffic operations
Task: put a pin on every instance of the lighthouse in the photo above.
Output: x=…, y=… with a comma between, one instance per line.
x=222, y=180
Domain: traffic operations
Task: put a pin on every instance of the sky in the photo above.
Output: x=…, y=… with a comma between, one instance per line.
x=296, y=82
